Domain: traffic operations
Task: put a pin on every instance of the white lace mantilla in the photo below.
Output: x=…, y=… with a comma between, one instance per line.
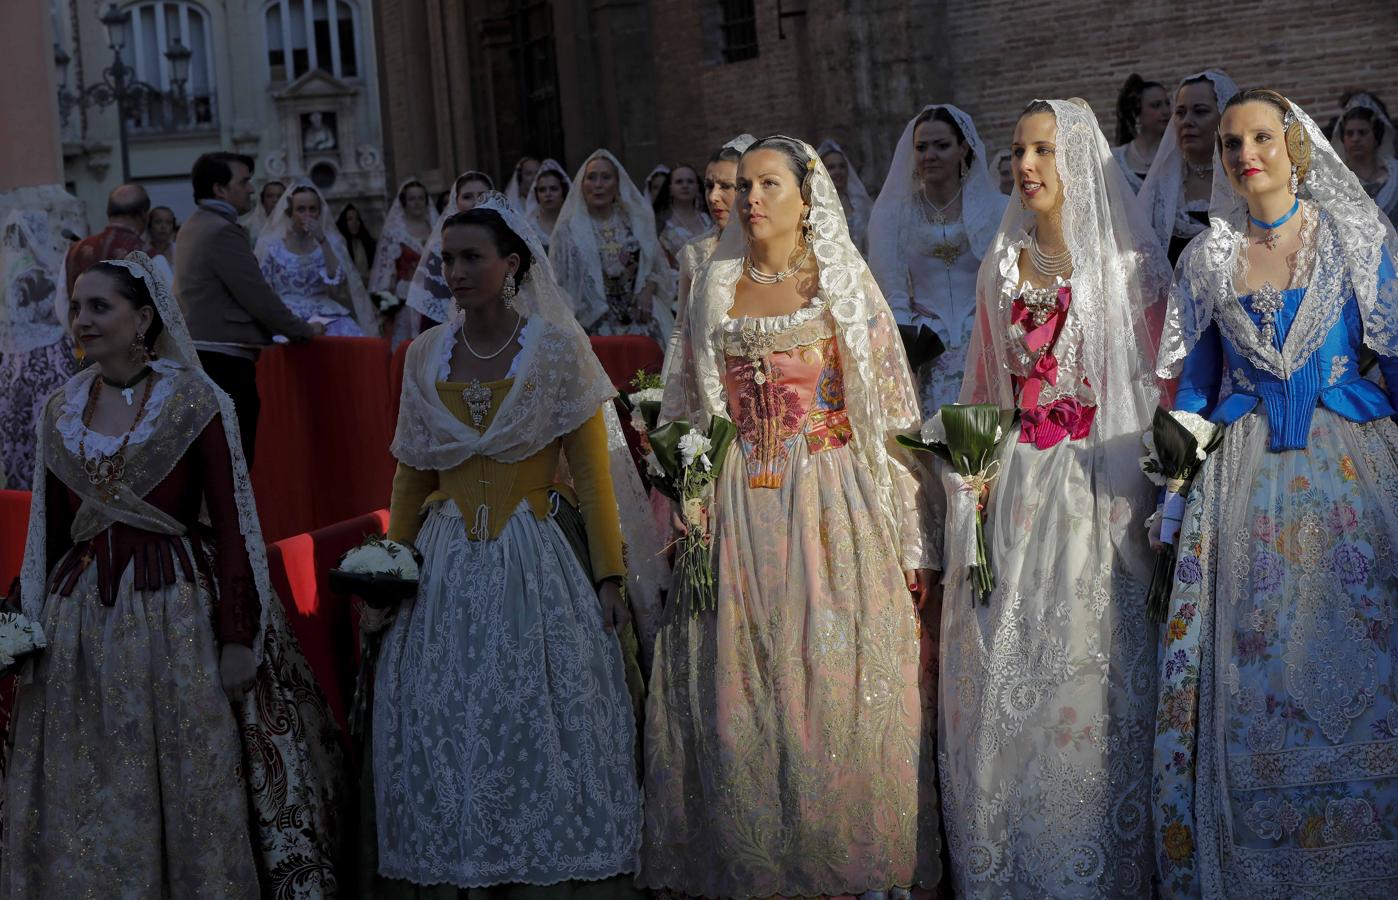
x=75, y=394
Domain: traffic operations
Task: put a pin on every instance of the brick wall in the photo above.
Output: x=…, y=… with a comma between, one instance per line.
x=858, y=69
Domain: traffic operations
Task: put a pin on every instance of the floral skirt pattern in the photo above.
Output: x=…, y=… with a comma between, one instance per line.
x=1276, y=757
x=29, y=379
x=131, y=774
x=1047, y=691
x=787, y=751
x=503, y=733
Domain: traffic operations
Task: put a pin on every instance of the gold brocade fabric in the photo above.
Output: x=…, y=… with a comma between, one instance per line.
x=487, y=491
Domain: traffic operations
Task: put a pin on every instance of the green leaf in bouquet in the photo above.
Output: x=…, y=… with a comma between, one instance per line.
x=650, y=412
x=971, y=434
x=721, y=434
x=916, y=443
x=665, y=444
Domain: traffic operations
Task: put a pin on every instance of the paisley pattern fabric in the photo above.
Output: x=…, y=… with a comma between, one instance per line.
x=787, y=751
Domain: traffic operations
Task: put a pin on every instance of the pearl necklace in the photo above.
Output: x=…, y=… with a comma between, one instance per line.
x=778, y=277
x=508, y=341
x=1051, y=265
x=938, y=216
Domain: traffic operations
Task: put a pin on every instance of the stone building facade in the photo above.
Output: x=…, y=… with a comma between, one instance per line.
x=292, y=83
x=468, y=85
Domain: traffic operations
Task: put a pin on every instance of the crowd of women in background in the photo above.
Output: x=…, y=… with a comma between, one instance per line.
x=847, y=713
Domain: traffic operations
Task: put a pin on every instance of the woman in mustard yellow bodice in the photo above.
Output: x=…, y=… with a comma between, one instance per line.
x=503, y=732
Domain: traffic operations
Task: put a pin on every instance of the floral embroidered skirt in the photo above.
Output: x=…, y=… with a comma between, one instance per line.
x=132, y=775
x=786, y=747
x=1276, y=760
x=503, y=733
x=1047, y=690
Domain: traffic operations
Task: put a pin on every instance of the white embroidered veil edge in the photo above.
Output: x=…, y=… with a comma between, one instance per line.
x=429, y=293
x=173, y=344
x=1387, y=197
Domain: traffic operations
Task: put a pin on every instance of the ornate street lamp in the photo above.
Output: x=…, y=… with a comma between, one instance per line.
x=119, y=85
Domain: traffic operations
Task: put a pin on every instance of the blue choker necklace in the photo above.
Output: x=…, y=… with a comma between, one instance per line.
x=1271, y=227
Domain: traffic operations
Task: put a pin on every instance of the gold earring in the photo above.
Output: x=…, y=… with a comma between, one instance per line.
x=139, y=354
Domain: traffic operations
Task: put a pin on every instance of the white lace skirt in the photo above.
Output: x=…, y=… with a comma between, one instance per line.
x=1047, y=692
x=503, y=733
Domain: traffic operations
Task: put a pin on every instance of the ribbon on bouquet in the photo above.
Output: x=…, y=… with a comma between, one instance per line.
x=1172, y=512
x=963, y=494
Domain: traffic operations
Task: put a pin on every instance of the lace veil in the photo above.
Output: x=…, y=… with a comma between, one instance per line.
x=880, y=397
x=173, y=346
x=429, y=293
x=1387, y=197
x=573, y=248
x=1120, y=279
x=392, y=236
x=559, y=385
x=861, y=204
x=1163, y=189
x=531, y=203
x=279, y=223
x=896, y=211
x=1205, y=287
x=29, y=264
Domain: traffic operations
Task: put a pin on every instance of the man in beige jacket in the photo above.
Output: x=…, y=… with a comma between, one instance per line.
x=232, y=312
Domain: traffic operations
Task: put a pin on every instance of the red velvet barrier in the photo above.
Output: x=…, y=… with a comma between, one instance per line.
x=323, y=621
x=622, y=355
x=14, y=526
x=322, y=440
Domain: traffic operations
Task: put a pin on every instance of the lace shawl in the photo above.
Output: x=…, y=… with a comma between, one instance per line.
x=392, y=237
x=1352, y=235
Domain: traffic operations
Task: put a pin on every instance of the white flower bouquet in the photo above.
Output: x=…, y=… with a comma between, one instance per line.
x=687, y=462
x=386, y=301
x=20, y=636
x=1176, y=446
x=379, y=571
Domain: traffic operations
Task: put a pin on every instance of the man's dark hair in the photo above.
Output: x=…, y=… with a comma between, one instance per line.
x=128, y=201
x=215, y=169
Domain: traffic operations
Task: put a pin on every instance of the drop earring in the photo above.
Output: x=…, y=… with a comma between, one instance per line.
x=139, y=354
x=1294, y=184
x=508, y=291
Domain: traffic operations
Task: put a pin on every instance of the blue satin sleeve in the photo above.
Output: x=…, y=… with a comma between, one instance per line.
x=1202, y=374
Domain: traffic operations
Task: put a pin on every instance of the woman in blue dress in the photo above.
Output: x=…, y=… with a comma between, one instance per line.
x=1276, y=758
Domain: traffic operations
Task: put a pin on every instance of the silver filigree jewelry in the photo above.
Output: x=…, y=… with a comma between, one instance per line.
x=1041, y=302
x=508, y=291
x=756, y=345
x=477, y=399
x=776, y=278
x=1203, y=173
x=1267, y=302
x=1294, y=184
x=472, y=350
x=1050, y=265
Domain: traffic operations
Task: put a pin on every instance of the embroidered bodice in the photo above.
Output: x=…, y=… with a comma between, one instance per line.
x=941, y=283
x=620, y=255
x=1051, y=408
x=303, y=277
x=1315, y=332
x=784, y=384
